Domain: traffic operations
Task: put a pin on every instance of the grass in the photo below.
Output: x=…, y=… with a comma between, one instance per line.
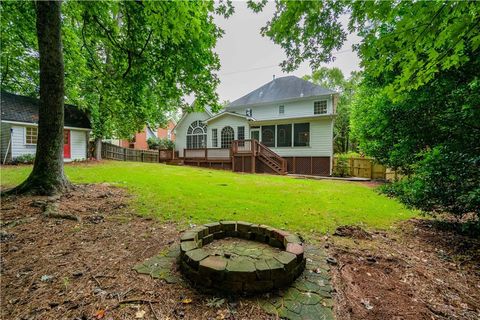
x=188, y=194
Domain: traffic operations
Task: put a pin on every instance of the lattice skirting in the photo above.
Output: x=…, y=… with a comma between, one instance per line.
x=317, y=166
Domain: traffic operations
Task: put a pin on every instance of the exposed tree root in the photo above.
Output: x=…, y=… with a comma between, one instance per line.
x=41, y=186
x=51, y=211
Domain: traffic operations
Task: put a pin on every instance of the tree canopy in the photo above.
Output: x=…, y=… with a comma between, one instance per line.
x=411, y=40
x=127, y=63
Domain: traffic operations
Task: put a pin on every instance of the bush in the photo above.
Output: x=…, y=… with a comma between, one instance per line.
x=445, y=181
x=342, y=168
x=157, y=143
x=24, y=159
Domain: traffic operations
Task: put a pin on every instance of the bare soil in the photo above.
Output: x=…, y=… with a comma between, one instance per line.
x=415, y=272
x=65, y=269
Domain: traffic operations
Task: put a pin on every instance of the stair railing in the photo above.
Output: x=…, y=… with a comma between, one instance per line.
x=265, y=151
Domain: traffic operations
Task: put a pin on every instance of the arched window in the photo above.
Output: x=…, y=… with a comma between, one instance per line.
x=197, y=135
x=227, y=137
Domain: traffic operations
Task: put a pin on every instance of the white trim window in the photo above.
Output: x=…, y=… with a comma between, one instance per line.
x=227, y=136
x=215, y=138
x=320, y=107
x=281, y=109
x=196, y=135
x=31, y=134
x=241, y=133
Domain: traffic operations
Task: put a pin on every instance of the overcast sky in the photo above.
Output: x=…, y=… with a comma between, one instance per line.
x=249, y=60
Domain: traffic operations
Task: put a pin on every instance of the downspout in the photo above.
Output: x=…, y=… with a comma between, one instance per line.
x=8, y=147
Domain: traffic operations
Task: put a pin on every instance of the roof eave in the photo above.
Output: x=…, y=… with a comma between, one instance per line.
x=282, y=101
x=224, y=114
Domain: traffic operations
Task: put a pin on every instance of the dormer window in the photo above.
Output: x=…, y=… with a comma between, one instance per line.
x=281, y=110
x=320, y=107
x=248, y=112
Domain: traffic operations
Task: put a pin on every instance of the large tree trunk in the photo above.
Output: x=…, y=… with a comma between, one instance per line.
x=98, y=148
x=48, y=177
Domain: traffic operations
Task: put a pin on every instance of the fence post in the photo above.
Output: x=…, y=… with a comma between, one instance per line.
x=371, y=169
x=141, y=155
x=125, y=154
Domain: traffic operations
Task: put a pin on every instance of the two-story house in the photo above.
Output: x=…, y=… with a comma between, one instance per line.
x=284, y=126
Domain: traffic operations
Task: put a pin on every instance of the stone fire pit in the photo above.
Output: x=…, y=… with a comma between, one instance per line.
x=240, y=257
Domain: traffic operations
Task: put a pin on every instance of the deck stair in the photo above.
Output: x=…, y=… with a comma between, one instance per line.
x=261, y=152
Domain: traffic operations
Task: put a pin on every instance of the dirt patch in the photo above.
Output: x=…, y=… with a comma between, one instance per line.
x=352, y=232
x=64, y=269
x=417, y=272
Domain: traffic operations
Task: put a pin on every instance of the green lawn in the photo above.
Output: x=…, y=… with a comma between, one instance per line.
x=188, y=194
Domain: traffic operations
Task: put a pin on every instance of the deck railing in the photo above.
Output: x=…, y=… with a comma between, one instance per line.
x=249, y=147
x=207, y=154
x=243, y=146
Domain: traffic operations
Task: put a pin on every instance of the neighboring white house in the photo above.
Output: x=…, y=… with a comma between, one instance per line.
x=19, y=128
x=292, y=117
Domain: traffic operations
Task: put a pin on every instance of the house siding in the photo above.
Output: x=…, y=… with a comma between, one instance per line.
x=78, y=149
x=18, y=143
x=301, y=108
x=224, y=121
x=181, y=129
x=4, y=140
x=78, y=140
x=320, y=141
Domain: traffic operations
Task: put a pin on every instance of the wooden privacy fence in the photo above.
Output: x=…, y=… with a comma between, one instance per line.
x=367, y=168
x=113, y=152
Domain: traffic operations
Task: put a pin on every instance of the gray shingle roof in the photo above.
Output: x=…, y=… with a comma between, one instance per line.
x=25, y=109
x=280, y=89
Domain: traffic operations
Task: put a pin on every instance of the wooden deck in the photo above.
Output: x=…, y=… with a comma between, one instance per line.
x=242, y=156
x=248, y=156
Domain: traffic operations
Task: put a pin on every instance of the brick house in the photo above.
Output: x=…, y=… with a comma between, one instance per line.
x=139, y=141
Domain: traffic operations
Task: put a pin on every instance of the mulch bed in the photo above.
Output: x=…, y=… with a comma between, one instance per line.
x=65, y=269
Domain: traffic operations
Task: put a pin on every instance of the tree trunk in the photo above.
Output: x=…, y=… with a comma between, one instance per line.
x=47, y=176
x=98, y=148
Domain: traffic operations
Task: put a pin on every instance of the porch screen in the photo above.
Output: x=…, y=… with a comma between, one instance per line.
x=301, y=134
x=268, y=136
x=197, y=135
x=284, y=135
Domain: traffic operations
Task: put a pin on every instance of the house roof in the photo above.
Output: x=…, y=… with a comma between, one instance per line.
x=225, y=113
x=25, y=109
x=280, y=89
x=207, y=110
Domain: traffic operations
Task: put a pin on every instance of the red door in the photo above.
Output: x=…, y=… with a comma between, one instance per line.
x=66, y=144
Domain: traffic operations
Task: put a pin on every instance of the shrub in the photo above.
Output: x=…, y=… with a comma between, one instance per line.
x=157, y=143
x=445, y=181
x=167, y=144
x=342, y=168
x=153, y=143
x=24, y=159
